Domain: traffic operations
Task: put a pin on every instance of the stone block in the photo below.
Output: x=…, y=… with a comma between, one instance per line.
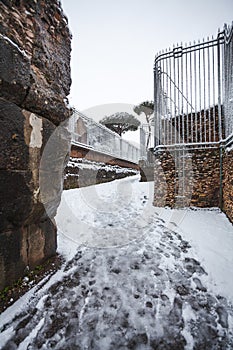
x=11, y=263
x=30, y=189
x=35, y=57
x=15, y=78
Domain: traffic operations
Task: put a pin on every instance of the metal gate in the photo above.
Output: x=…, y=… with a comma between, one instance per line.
x=228, y=84
x=194, y=93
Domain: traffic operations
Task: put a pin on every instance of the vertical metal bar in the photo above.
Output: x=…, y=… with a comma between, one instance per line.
x=170, y=92
x=228, y=65
x=223, y=87
x=163, y=124
x=229, y=72
x=167, y=120
x=182, y=101
x=187, y=96
x=156, y=104
x=209, y=118
x=155, y=108
x=199, y=70
x=226, y=80
x=195, y=92
x=183, y=129
x=228, y=49
x=214, y=115
x=160, y=105
x=175, y=114
x=191, y=96
x=159, y=102
x=219, y=91
x=178, y=90
x=230, y=82
x=204, y=92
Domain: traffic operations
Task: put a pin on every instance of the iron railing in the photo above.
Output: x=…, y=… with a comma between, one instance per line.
x=194, y=92
x=87, y=133
x=228, y=82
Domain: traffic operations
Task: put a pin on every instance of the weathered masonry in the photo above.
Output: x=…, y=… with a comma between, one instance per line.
x=35, y=45
x=194, y=124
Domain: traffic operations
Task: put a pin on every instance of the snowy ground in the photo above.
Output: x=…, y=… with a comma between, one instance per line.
x=83, y=164
x=135, y=277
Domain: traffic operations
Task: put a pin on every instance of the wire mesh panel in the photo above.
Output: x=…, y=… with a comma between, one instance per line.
x=189, y=93
x=85, y=131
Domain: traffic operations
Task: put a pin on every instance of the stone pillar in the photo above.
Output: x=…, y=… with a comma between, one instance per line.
x=35, y=45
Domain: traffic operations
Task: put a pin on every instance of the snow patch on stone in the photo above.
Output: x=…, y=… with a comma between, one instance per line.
x=36, y=134
x=15, y=45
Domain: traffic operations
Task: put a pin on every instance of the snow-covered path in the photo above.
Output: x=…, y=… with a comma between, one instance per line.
x=131, y=280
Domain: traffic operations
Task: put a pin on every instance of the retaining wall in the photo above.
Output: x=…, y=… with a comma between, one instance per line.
x=81, y=173
x=187, y=178
x=88, y=167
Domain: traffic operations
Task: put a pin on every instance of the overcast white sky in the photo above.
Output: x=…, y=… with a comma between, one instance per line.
x=115, y=41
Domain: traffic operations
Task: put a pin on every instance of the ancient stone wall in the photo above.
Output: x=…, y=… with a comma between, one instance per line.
x=228, y=183
x=35, y=46
x=187, y=178
x=81, y=173
x=35, y=57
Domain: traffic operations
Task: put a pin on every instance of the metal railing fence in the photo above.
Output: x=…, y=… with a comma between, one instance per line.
x=194, y=92
x=86, y=132
x=228, y=81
